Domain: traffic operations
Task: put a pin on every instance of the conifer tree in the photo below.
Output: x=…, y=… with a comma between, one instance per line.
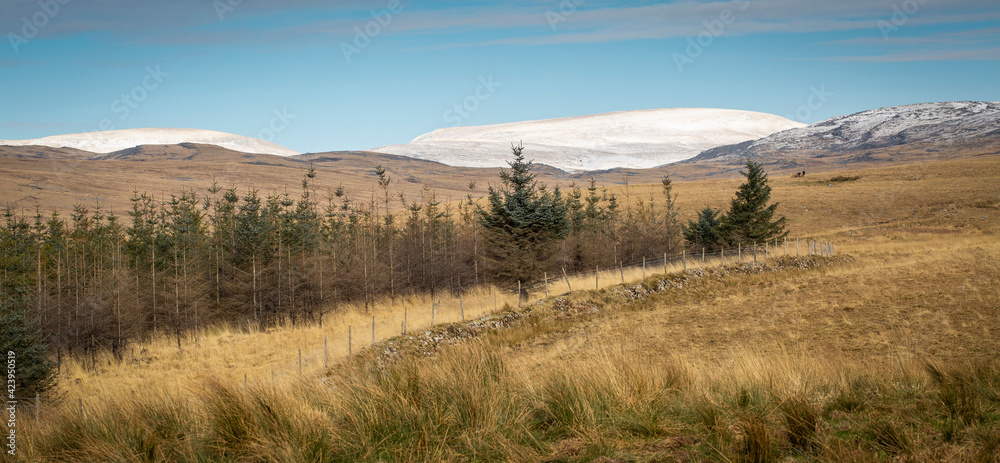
x=704, y=233
x=671, y=232
x=523, y=220
x=19, y=331
x=252, y=252
x=750, y=218
x=20, y=335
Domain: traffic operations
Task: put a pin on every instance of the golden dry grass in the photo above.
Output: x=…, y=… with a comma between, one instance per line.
x=934, y=297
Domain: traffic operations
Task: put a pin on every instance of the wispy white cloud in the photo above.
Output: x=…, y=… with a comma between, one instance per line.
x=758, y=17
x=523, y=22
x=971, y=36
x=983, y=54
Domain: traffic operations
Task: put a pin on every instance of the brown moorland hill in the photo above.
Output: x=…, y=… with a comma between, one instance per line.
x=59, y=178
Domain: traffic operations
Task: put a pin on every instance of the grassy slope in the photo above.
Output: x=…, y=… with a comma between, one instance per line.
x=825, y=364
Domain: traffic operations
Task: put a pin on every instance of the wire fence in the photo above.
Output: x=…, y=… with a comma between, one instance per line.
x=339, y=342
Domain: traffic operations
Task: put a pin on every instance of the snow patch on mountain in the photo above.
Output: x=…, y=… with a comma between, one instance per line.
x=633, y=139
x=945, y=122
x=116, y=140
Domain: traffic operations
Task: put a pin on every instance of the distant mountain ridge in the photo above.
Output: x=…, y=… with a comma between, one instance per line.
x=915, y=124
x=112, y=141
x=621, y=141
x=625, y=139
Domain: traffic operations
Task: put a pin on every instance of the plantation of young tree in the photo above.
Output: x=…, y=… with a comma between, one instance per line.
x=98, y=281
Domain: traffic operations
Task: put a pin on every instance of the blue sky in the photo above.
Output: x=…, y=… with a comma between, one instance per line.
x=318, y=75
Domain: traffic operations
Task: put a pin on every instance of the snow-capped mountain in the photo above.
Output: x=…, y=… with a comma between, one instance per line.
x=634, y=139
x=117, y=140
x=947, y=122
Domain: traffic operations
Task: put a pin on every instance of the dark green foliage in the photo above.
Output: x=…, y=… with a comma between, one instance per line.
x=20, y=334
x=523, y=222
x=705, y=232
x=36, y=373
x=750, y=218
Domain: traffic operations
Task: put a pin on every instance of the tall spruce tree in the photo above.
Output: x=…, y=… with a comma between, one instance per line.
x=523, y=221
x=750, y=218
x=672, y=230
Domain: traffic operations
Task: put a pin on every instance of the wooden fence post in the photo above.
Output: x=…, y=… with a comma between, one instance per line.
x=702, y=257
x=405, y=310
x=621, y=270
x=432, y=310
x=597, y=277
x=685, y=258
x=664, y=263
x=643, y=267
x=546, y=284
x=519, y=294
x=565, y=277
x=739, y=252
x=461, y=306
x=38, y=405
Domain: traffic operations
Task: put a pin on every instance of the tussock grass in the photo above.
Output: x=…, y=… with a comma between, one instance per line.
x=888, y=436
x=756, y=446
x=468, y=404
x=801, y=420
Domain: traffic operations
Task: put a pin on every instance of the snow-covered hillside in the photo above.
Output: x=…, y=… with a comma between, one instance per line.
x=117, y=140
x=951, y=121
x=635, y=139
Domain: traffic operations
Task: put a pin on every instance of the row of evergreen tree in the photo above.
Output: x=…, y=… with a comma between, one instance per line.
x=98, y=281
